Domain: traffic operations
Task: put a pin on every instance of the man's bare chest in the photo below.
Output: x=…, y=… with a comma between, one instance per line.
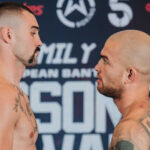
x=26, y=127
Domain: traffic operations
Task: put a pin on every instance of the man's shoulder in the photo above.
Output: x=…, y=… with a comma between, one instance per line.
x=127, y=125
x=7, y=91
x=9, y=97
x=135, y=123
x=136, y=120
x=9, y=105
x=131, y=133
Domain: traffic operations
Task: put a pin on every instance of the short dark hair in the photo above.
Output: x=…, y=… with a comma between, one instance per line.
x=13, y=6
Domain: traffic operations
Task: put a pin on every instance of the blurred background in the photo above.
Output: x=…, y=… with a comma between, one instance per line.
x=70, y=113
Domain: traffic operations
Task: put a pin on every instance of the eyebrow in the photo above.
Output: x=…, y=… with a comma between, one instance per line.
x=104, y=57
x=35, y=27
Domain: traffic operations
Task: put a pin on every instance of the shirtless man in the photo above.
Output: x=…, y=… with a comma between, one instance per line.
x=124, y=74
x=19, y=46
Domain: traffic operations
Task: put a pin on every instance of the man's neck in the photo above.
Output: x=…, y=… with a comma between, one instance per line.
x=11, y=70
x=131, y=98
x=12, y=75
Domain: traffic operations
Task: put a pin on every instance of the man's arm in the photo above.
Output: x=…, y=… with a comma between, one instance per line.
x=130, y=135
x=123, y=145
x=8, y=118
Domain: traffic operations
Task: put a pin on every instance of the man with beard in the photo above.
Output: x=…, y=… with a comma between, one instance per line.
x=19, y=46
x=124, y=74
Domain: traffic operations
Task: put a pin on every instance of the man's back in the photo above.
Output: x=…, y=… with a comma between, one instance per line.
x=133, y=131
x=18, y=127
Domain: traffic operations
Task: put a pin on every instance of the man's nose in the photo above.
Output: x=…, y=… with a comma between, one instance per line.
x=40, y=42
x=97, y=67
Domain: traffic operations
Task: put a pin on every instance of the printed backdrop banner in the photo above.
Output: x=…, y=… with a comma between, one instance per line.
x=70, y=113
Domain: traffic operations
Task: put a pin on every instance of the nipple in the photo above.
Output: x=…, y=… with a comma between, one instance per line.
x=31, y=135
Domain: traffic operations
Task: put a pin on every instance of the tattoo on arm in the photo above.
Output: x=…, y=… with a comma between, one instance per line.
x=123, y=145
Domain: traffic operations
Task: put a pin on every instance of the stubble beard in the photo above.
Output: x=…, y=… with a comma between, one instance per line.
x=112, y=92
x=33, y=59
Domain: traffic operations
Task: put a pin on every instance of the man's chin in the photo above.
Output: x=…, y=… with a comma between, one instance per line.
x=31, y=64
x=100, y=89
x=110, y=92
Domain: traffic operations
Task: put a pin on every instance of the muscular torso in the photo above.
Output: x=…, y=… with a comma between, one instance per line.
x=133, y=131
x=25, y=131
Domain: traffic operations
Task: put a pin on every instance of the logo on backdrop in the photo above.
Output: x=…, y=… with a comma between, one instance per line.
x=147, y=7
x=75, y=13
x=126, y=11
x=37, y=10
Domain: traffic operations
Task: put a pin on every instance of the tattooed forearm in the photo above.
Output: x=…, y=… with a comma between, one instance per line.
x=123, y=145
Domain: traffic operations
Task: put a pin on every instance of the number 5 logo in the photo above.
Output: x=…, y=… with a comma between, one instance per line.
x=114, y=19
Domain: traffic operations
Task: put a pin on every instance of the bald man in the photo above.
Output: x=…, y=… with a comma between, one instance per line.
x=124, y=74
x=19, y=47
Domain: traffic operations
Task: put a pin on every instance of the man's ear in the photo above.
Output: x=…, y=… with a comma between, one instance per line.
x=130, y=75
x=6, y=34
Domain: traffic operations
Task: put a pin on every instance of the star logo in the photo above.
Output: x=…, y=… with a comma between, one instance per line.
x=72, y=7
x=65, y=10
